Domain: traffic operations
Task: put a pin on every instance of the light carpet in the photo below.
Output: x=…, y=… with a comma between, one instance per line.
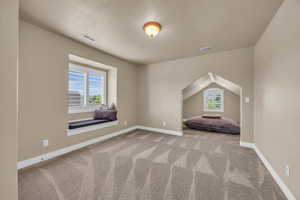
x=150, y=166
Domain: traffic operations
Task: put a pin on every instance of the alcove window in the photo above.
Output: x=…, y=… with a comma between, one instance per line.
x=213, y=100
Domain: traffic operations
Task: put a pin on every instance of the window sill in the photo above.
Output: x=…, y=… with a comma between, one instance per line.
x=82, y=109
x=217, y=111
x=78, y=131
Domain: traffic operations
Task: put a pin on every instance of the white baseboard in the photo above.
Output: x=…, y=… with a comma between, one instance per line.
x=247, y=145
x=289, y=195
x=276, y=177
x=170, y=132
x=47, y=156
x=59, y=152
x=38, y=159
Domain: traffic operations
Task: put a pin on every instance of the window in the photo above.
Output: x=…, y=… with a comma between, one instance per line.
x=214, y=100
x=87, y=88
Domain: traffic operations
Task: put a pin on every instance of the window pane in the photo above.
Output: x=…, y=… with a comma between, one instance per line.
x=76, y=88
x=214, y=100
x=96, y=88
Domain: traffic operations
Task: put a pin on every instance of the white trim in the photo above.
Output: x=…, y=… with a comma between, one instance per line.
x=81, y=119
x=195, y=88
x=211, y=76
x=165, y=131
x=82, y=109
x=86, y=68
x=59, y=152
x=47, y=156
x=89, y=62
x=247, y=145
x=85, y=89
x=78, y=131
x=276, y=177
x=289, y=195
x=105, y=83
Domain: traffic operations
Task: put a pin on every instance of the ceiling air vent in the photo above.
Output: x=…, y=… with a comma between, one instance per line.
x=89, y=38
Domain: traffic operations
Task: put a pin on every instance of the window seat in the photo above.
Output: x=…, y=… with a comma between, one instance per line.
x=86, y=125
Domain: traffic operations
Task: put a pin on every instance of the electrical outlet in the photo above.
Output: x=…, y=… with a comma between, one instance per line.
x=125, y=123
x=164, y=123
x=287, y=170
x=45, y=143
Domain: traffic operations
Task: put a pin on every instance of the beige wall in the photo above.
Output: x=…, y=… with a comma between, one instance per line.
x=44, y=86
x=193, y=106
x=277, y=94
x=161, y=84
x=9, y=10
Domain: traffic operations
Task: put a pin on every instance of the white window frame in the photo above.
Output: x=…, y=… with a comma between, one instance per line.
x=206, y=93
x=87, y=107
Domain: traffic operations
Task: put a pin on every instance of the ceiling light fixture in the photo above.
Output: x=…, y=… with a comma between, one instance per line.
x=152, y=28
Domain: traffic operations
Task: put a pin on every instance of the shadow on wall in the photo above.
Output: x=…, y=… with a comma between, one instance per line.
x=194, y=103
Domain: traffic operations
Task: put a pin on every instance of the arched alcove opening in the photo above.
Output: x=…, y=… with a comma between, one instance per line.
x=212, y=96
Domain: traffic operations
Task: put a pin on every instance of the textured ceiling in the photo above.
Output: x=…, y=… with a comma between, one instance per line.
x=187, y=25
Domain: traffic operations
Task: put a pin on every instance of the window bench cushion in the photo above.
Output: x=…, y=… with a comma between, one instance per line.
x=88, y=122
